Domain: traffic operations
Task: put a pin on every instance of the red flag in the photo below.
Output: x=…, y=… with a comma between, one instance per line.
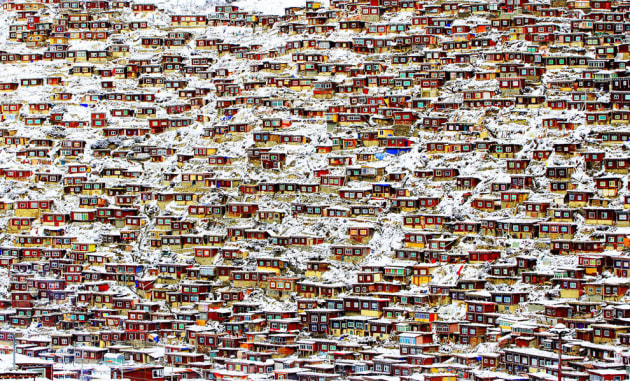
x=460, y=270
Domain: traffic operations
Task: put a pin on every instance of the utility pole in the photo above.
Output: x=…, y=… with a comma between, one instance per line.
x=560, y=329
x=81, y=375
x=14, y=368
x=559, y=356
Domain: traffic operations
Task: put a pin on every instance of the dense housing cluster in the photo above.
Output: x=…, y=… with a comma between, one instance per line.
x=365, y=190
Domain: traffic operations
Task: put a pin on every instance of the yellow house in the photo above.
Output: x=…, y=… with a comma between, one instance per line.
x=189, y=20
x=512, y=199
x=84, y=247
x=194, y=181
x=607, y=333
x=423, y=273
x=313, y=4
x=351, y=325
x=605, y=291
x=31, y=211
x=17, y=224
x=181, y=199
x=572, y=291
x=270, y=264
x=316, y=268
x=385, y=132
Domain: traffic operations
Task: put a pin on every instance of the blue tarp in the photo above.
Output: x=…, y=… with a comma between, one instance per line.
x=396, y=151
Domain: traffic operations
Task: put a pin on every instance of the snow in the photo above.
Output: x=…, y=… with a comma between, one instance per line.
x=506, y=125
